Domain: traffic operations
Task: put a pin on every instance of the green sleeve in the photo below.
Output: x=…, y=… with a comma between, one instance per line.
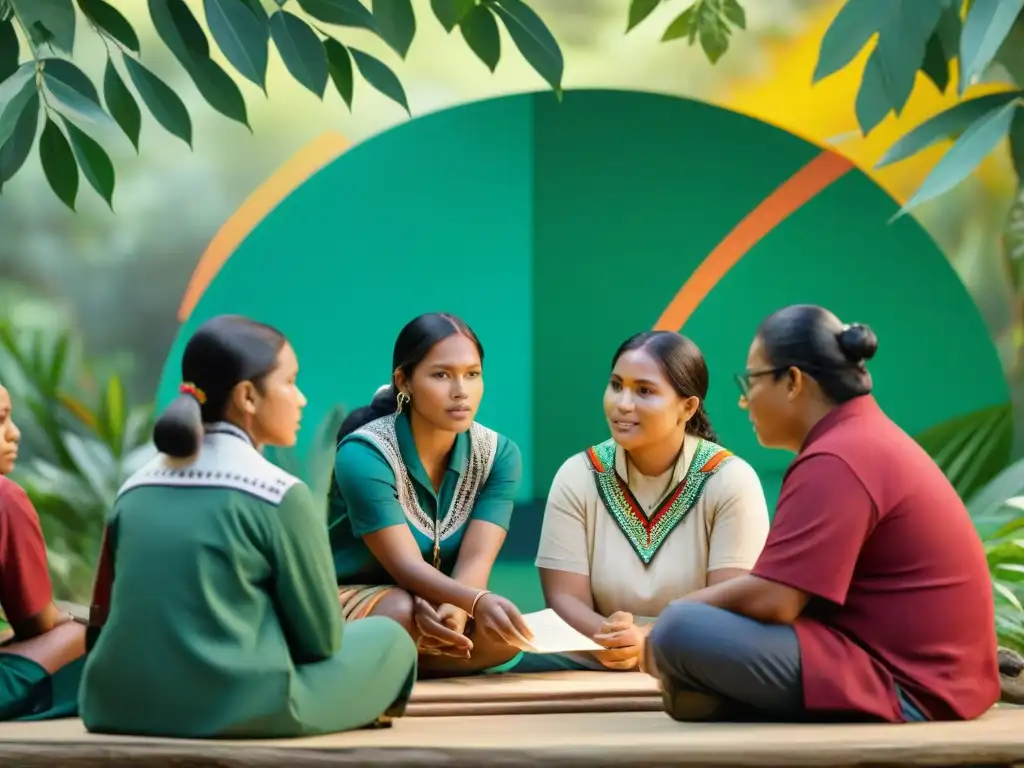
x=366, y=483
x=498, y=496
x=304, y=587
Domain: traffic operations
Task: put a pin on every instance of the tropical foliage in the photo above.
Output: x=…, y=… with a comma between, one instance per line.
x=317, y=467
x=82, y=441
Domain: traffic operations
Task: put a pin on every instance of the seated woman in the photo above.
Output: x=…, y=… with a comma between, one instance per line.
x=215, y=612
x=872, y=599
x=40, y=665
x=656, y=512
x=421, y=501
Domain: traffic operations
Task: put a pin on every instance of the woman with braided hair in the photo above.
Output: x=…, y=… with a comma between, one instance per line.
x=655, y=512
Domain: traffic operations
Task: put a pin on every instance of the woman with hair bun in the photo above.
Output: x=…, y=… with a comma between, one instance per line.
x=215, y=612
x=421, y=501
x=872, y=599
x=658, y=510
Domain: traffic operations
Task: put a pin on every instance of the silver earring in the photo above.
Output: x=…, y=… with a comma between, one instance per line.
x=403, y=398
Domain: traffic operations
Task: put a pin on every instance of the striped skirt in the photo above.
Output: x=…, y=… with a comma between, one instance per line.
x=359, y=600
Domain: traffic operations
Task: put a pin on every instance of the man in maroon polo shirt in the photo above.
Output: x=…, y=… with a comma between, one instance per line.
x=872, y=598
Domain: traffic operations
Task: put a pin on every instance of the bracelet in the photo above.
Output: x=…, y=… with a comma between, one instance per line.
x=481, y=593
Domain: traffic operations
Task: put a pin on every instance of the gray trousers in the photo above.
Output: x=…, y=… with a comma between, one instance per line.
x=753, y=669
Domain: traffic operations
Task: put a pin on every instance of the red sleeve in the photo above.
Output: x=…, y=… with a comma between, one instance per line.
x=822, y=519
x=25, y=588
x=103, y=584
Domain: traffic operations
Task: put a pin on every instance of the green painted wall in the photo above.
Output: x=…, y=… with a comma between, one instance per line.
x=556, y=230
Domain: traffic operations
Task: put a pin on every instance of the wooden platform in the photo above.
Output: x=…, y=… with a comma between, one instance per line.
x=589, y=738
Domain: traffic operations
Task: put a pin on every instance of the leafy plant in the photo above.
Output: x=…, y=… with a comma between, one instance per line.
x=316, y=468
x=85, y=441
x=40, y=84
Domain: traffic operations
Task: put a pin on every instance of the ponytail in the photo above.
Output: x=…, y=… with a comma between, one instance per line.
x=700, y=425
x=384, y=403
x=179, y=430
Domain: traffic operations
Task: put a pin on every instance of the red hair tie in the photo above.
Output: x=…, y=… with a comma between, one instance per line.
x=189, y=388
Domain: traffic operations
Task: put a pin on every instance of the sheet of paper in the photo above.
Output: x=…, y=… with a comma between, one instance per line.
x=552, y=635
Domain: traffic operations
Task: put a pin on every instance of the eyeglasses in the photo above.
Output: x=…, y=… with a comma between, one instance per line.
x=745, y=380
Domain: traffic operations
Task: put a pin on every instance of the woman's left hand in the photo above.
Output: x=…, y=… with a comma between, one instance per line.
x=624, y=641
x=453, y=617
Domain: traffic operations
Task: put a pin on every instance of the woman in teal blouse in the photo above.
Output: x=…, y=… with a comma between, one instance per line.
x=421, y=502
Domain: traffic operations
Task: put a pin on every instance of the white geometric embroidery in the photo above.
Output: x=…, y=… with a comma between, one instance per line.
x=483, y=447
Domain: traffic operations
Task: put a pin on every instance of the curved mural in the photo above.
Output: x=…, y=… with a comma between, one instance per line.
x=557, y=230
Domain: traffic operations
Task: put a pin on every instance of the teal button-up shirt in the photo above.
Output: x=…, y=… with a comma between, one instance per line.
x=364, y=499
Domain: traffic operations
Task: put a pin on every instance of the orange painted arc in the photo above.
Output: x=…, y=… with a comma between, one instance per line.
x=826, y=168
x=310, y=159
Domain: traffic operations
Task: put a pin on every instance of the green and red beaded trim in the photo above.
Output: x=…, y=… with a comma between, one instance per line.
x=647, y=534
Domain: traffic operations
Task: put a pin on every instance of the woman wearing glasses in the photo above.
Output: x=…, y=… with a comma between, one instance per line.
x=656, y=511
x=872, y=599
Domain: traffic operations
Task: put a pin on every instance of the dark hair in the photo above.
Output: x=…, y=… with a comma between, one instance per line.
x=224, y=351
x=684, y=365
x=814, y=340
x=414, y=343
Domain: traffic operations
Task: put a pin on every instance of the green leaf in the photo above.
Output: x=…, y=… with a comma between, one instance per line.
x=971, y=449
x=9, y=50
x=901, y=49
x=935, y=66
x=161, y=100
x=734, y=12
x=179, y=30
x=242, y=37
x=713, y=33
x=872, y=103
x=24, y=87
x=848, y=33
x=122, y=105
x=980, y=138
x=72, y=93
x=301, y=51
x=683, y=25
x=114, y=409
x=946, y=125
x=1017, y=145
x=6, y=11
x=451, y=12
x=48, y=21
x=339, y=65
x=16, y=149
x=533, y=39
x=480, y=31
x=94, y=162
x=987, y=24
x=380, y=76
x=182, y=34
x=344, y=13
x=111, y=21
x=59, y=164
x=640, y=10
x=396, y=23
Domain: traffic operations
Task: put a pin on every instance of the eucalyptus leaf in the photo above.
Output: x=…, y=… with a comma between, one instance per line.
x=639, y=10
x=301, y=51
x=111, y=21
x=344, y=13
x=980, y=138
x=450, y=12
x=480, y=31
x=339, y=66
x=68, y=73
x=935, y=66
x=94, y=162
x=380, y=76
x=948, y=124
x=9, y=50
x=396, y=23
x=162, y=102
x=59, y=165
x=243, y=38
x=16, y=105
x=986, y=26
x=179, y=30
x=48, y=21
x=872, y=104
x=851, y=29
x=902, y=44
x=16, y=149
x=219, y=89
x=72, y=96
x=533, y=39
x=121, y=104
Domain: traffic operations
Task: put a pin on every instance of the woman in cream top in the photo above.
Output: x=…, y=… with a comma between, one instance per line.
x=656, y=512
